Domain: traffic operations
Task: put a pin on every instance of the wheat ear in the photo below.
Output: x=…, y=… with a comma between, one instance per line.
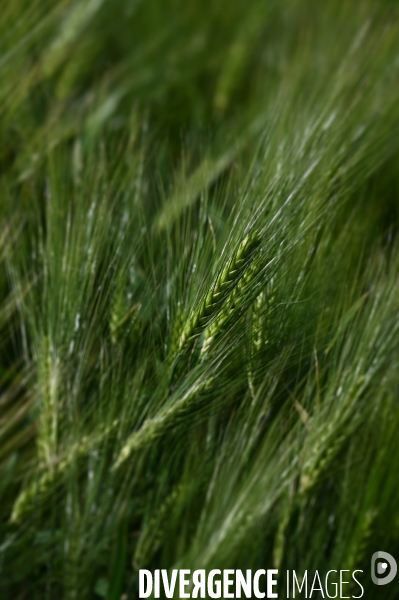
x=220, y=291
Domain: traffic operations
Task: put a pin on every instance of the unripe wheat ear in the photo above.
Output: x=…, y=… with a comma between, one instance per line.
x=220, y=290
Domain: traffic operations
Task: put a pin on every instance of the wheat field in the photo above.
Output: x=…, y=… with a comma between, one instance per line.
x=199, y=290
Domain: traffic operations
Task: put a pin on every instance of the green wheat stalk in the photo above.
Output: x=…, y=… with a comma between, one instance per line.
x=229, y=278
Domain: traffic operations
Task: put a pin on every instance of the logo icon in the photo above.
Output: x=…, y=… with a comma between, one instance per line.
x=383, y=560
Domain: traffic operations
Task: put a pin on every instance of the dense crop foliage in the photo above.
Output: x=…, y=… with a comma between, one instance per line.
x=199, y=290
